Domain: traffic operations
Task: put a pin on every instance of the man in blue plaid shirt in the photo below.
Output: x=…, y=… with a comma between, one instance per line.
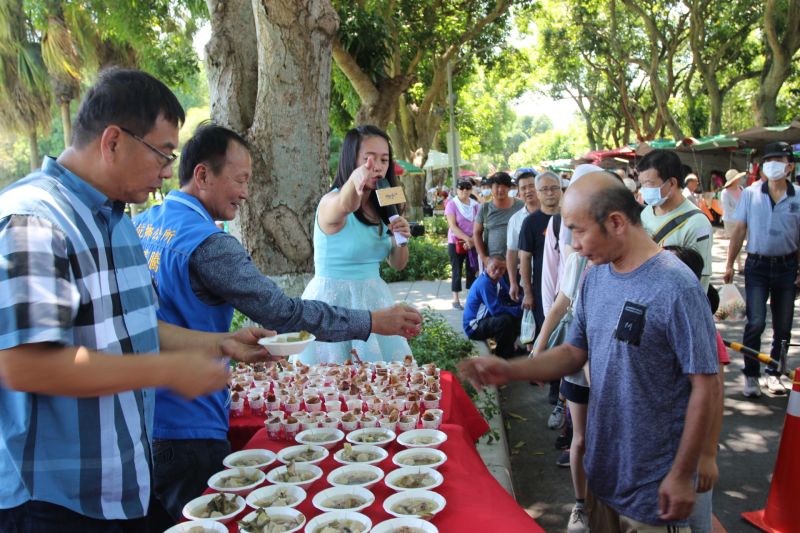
x=79, y=339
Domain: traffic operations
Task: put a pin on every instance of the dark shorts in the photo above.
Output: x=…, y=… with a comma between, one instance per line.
x=574, y=393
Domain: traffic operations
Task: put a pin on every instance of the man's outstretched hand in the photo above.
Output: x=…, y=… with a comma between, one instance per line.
x=399, y=319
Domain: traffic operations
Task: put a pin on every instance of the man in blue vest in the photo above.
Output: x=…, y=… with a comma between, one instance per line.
x=201, y=275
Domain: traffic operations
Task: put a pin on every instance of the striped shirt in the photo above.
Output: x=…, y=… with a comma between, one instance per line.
x=74, y=274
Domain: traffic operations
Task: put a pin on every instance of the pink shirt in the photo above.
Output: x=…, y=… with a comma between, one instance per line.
x=461, y=222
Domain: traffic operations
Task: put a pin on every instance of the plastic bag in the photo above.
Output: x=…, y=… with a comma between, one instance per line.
x=731, y=303
x=528, y=328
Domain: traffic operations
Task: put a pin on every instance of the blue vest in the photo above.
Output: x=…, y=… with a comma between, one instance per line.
x=170, y=233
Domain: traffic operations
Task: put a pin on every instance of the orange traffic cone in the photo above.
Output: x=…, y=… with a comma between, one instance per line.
x=780, y=515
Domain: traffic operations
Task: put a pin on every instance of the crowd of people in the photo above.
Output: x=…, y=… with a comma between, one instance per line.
x=114, y=342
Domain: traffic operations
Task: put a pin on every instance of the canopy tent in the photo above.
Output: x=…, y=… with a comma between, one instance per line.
x=407, y=167
x=609, y=158
x=438, y=160
x=706, y=160
x=467, y=173
x=759, y=136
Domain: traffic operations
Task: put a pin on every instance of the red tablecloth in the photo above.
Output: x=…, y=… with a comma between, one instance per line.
x=475, y=501
x=456, y=404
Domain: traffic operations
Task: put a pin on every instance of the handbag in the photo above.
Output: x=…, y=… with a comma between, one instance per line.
x=560, y=331
x=460, y=248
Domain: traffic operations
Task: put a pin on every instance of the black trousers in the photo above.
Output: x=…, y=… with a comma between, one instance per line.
x=504, y=329
x=456, y=263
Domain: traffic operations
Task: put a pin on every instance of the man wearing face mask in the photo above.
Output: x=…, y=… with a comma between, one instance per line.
x=770, y=210
x=669, y=217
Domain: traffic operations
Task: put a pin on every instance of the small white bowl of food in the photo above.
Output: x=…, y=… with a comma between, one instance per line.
x=412, y=478
x=219, y=507
x=355, y=476
x=236, y=480
x=365, y=454
x=339, y=521
x=276, y=496
x=256, y=458
x=327, y=437
x=287, y=343
x=284, y=519
x=422, y=438
x=300, y=475
x=199, y=526
x=343, y=499
x=417, y=503
x=303, y=453
x=407, y=525
x=375, y=436
x=430, y=457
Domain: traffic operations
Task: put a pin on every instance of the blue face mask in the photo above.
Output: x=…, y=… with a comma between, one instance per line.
x=512, y=193
x=486, y=192
x=652, y=196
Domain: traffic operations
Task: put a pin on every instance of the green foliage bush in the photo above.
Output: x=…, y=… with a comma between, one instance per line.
x=436, y=226
x=427, y=259
x=439, y=343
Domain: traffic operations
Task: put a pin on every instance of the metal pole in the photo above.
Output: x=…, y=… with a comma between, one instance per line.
x=451, y=98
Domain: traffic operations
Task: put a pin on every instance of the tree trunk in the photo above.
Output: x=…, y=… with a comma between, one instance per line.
x=66, y=122
x=269, y=78
x=767, y=96
x=33, y=145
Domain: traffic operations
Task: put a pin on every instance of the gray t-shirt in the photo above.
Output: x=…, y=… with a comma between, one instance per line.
x=495, y=225
x=639, y=394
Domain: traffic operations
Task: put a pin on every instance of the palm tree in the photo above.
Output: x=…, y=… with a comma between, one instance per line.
x=24, y=90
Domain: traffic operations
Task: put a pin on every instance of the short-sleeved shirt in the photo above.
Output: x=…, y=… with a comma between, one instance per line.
x=495, y=225
x=531, y=240
x=462, y=222
x=74, y=275
x=773, y=230
x=515, y=226
x=695, y=233
x=640, y=392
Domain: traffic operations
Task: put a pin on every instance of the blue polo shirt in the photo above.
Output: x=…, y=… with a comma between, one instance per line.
x=74, y=274
x=773, y=228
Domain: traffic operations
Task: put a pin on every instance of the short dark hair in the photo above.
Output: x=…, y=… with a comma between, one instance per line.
x=617, y=197
x=128, y=98
x=347, y=164
x=690, y=257
x=526, y=175
x=667, y=164
x=209, y=145
x=501, y=178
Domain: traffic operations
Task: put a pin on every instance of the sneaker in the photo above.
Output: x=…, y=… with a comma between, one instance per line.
x=578, y=523
x=752, y=388
x=775, y=386
x=564, y=440
x=563, y=459
x=457, y=305
x=556, y=419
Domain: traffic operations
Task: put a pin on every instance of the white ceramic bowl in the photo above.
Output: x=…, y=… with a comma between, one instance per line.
x=207, y=525
x=285, y=454
x=321, y=498
x=214, y=481
x=273, y=474
x=382, y=454
x=352, y=469
x=279, y=345
x=387, y=526
x=319, y=521
x=281, y=511
x=393, y=476
x=354, y=437
x=309, y=436
x=192, y=509
x=402, y=456
x=421, y=438
x=266, y=493
x=265, y=458
x=396, y=498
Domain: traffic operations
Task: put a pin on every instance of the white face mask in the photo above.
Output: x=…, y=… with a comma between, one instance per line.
x=512, y=193
x=486, y=192
x=774, y=170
